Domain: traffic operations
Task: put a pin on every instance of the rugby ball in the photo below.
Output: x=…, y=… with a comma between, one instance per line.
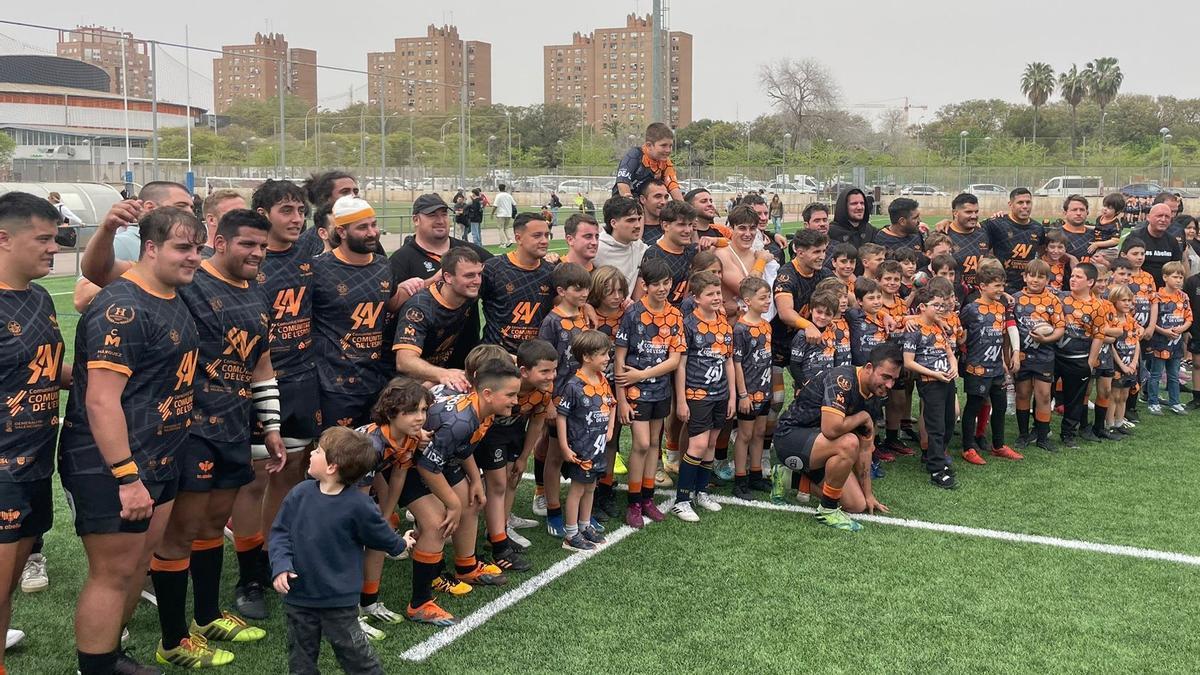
x=920, y=279
x=1041, y=328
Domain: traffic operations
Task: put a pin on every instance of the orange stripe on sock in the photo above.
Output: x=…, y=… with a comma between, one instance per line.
x=831, y=492
x=426, y=557
x=634, y=484
x=497, y=538
x=370, y=587
x=207, y=544
x=243, y=544
x=606, y=479
x=467, y=561
x=1042, y=415
x=805, y=484
x=539, y=490
x=1102, y=402
x=740, y=474
x=672, y=444
x=648, y=484
x=157, y=564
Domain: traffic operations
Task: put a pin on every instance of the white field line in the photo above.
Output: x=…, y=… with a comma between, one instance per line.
x=442, y=639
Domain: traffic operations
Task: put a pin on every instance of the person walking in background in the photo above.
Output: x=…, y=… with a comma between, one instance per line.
x=473, y=212
x=775, y=211
x=459, y=204
x=555, y=204
x=68, y=218
x=504, y=208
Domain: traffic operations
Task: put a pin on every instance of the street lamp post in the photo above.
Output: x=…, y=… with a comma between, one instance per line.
x=962, y=155
x=563, y=155
x=306, y=126
x=688, y=144
x=787, y=174
x=508, y=123
x=489, y=153
x=1163, y=174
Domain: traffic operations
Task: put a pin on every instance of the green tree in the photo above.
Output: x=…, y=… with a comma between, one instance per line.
x=7, y=146
x=1104, y=78
x=1037, y=83
x=1073, y=85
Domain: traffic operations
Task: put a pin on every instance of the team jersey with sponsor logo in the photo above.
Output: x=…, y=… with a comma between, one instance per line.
x=1015, y=245
x=390, y=452
x=929, y=346
x=530, y=404
x=808, y=360
x=1032, y=308
x=866, y=333
x=752, y=350
x=1078, y=242
x=348, y=318
x=969, y=248
x=152, y=340
x=1174, y=311
x=709, y=344
x=1144, y=292
x=231, y=319
x=457, y=428
x=587, y=406
x=515, y=300
x=427, y=324
x=286, y=278
x=31, y=358
x=1084, y=322
x=560, y=330
x=679, y=262
x=983, y=323
x=1125, y=348
x=892, y=242
x=791, y=286
x=835, y=391
x=609, y=324
x=649, y=338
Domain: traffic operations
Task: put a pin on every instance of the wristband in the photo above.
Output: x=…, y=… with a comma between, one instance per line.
x=759, y=266
x=123, y=468
x=266, y=404
x=129, y=478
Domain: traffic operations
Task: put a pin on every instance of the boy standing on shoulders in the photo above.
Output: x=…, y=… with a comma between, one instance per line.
x=585, y=424
x=316, y=549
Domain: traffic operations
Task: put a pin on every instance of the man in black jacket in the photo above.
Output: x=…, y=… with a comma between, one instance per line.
x=851, y=223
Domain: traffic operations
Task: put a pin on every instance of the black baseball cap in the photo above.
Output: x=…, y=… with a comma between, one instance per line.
x=430, y=203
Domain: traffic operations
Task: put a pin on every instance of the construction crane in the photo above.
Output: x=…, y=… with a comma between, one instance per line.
x=891, y=106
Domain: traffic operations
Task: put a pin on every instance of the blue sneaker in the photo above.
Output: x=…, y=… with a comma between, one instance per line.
x=596, y=525
x=877, y=470
x=594, y=537
x=555, y=527
x=577, y=543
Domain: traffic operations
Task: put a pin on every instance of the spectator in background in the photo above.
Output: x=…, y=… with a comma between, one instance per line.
x=504, y=209
x=589, y=207
x=68, y=218
x=459, y=203
x=473, y=214
x=555, y=204
x=775, y=210
x=1191, y=244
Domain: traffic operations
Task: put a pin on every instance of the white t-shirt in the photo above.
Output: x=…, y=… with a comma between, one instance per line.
x=506, y=207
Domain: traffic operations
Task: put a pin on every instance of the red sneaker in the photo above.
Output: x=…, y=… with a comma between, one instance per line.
x=972, y=456
x=884, y=456
x=1007, y=453
x=633, y=516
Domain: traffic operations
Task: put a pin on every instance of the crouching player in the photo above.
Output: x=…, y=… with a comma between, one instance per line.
x=828, y=433
x=585, y=424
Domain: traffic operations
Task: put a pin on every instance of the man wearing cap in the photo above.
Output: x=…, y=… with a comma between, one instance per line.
x=352, y=294
x=414, y=265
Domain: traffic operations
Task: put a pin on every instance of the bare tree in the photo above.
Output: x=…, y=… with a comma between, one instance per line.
x=802, y=90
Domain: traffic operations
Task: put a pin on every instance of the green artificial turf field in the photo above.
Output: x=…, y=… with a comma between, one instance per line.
x=766, y=589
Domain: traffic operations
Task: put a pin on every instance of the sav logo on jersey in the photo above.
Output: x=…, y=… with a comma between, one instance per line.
x=239, y=342
x=287, y=302
x=366, y=314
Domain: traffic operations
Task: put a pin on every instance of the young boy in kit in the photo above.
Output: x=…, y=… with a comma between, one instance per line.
x=1145, y=309
x=1078, y=353
x=871, y=256
x=1036, y=306
x=1103, y=375
x=705, y=396
x=908, y=259
x=649, y=344
x=1126, y=354
x=316, y=549
x=809, y=360
x=585, y=423
x=1165, y=350
x=752, y=375
x=985, y=364
x=559, y=328
x=929, y=356
x=649, y=161
x=845, y=261
x=868, y=327
x=899, y=402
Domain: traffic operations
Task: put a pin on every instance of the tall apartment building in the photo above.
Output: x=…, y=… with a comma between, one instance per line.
x=102, y=47
x=252, y=72
x=607, y=74
x=424, y=74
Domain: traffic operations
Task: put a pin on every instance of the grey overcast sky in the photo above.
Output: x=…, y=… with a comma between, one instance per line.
x=933, y=51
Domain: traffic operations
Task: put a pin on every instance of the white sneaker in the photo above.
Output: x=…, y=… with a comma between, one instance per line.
x=539, y=505
x=13, y=638
x=803, y=498
x=706, y=502
x=1127, y=424
x=1178, y=409
x=516, y=538
x=370, y=631
x=33, y=577
x=518, y=523
x=378, y=611
x=148, y=591
x=683, y=510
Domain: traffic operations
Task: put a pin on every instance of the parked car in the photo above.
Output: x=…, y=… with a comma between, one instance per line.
x=917, y=190
x=721, y=187
x=978, y=189
x=573, y=185
x=1141, y=190
x=836, y=188
x=1062, y=186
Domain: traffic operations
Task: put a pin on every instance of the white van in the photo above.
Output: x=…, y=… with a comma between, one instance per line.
x=1062, y=186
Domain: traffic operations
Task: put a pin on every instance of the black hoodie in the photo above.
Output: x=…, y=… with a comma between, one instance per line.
x=842, y=230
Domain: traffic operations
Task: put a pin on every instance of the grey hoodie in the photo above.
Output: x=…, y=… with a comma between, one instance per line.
x=625, y=257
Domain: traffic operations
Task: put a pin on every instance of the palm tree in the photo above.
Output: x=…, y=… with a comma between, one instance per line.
x=1037, y=83
x=1104, y=81
x=1073, y=85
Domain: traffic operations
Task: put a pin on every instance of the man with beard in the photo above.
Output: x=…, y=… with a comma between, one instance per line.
x=1015, y=238
x=969, y=240
x=352, y=290
x=324, y=189
x=415, y=264
x=430, y=323
x=706, y=214
x=215, y=205
x=652, y=199
x=583, y=239
x=904, y=230
x=851, y=224
x=237, y=387
x=1075, y=228
x=127, y=417
x=517, y=292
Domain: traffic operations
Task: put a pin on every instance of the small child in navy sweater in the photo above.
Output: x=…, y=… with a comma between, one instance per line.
x=316, y=548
